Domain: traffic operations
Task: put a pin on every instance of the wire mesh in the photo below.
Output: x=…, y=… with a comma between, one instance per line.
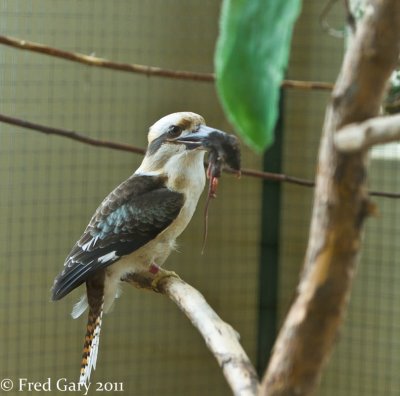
x=50, y=188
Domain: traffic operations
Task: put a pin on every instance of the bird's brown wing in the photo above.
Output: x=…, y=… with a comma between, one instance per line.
x=129, y=217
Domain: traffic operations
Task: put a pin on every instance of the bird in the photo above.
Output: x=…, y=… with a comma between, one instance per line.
x=135, y=227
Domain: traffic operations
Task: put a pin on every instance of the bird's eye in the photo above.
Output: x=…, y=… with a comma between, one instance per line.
x=174, y=131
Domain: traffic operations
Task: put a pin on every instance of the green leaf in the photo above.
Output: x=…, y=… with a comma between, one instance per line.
x=250, y=61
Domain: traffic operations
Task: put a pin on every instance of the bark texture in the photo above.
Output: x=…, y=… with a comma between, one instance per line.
x=340, y=207
x=379, y=130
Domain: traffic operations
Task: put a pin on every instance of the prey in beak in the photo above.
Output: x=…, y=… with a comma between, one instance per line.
x=223, y=150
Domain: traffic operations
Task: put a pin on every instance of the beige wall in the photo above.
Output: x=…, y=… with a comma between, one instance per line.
x=49, y=187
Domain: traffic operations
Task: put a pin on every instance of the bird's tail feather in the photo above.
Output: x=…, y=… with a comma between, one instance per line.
x=80, y=307
x=91, y=345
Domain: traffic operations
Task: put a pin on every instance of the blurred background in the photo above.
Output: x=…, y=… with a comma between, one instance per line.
x=50, y=186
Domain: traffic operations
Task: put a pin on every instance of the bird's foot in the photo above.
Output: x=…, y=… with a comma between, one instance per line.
x=160, y=274
x=154, y=268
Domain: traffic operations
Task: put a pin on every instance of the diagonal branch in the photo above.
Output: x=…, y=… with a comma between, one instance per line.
x=361, y=136
x=221, y=339
x=70, y=135
x=90, y=60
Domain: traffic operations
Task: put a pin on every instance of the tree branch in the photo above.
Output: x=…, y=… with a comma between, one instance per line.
x=70, y=135
x=361, y=136
x=340, y=208
x=140, y=69
x=270, y=176
x=221, y=339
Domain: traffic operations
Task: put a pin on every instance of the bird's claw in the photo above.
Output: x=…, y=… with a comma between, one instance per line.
x=162, y=274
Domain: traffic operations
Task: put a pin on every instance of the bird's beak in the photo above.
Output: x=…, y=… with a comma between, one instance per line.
x=198, y=139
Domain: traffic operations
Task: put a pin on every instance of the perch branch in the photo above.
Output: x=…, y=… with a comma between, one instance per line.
x=270, y=176
x=90, y=60
x=221, y=339
x=361, y=136
x=341, y=205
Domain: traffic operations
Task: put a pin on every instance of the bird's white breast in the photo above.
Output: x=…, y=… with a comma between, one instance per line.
x=185, y=175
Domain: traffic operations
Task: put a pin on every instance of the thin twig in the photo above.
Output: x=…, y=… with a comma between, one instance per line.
x=70, y=135
x=221, y=339
x=269, y=176
x=307, y=85
x=104, y=63
x=140, y=69
x=323, y=20
x=276, y=177
x=351, y=19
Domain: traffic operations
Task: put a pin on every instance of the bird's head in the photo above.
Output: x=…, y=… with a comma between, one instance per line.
x=177, y=138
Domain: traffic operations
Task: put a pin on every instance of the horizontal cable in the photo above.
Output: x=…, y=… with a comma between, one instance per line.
x=276, y=177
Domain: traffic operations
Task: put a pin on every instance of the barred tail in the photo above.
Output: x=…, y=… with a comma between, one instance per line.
x=91, y=345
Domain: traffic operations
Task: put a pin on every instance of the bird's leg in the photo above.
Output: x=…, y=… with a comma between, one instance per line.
x=160, y=274
x=154, y=268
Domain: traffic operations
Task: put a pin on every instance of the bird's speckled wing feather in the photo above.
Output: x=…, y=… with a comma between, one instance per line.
x=129, y=217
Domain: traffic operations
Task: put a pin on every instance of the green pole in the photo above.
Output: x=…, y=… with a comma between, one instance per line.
x=269, y=258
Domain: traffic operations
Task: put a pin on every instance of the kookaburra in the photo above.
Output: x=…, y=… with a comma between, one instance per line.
x=135, y=227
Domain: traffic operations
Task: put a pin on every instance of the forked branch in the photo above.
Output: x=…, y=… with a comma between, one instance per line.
x=364, y=135
x=341, y=205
